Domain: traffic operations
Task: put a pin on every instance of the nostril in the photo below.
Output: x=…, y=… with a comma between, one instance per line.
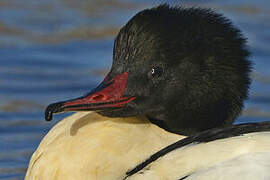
x=98, y=97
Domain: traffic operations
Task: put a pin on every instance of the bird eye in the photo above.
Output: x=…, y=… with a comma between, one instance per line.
x=156, y=71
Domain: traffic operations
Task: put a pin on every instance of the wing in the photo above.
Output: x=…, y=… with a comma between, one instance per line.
x=206, y=151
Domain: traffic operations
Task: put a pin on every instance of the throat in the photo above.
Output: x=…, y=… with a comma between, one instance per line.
x=187, y=126
x=160, y=123
x=176, y=127
x=187, y=120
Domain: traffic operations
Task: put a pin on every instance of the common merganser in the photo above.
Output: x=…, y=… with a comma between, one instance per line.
x=176, y=72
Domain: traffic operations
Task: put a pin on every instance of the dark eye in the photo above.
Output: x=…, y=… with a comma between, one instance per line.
x=156, y=71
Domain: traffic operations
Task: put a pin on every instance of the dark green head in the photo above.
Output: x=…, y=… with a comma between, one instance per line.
x=186, y=69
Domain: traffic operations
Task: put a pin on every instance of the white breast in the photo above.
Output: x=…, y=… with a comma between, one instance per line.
x=90, y=146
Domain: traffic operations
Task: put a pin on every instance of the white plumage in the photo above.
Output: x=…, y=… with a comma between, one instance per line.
x=90, y=146
x=240, y=157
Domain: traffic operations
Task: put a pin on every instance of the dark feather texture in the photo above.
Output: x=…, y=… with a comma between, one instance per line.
x=205, y=70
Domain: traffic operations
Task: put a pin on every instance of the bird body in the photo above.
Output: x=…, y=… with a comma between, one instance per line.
x=87, y=145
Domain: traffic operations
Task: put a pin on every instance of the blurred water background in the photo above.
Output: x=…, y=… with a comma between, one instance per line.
x=51, y=50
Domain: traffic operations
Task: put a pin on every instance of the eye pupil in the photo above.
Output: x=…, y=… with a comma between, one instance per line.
x=156, y=71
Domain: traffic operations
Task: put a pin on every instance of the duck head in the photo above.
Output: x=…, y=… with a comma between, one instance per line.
x=186, y=69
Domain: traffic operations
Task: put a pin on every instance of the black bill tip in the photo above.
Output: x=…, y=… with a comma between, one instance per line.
x=48, y=115
x=53, y=108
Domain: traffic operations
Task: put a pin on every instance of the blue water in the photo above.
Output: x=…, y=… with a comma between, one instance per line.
x=51, y=50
